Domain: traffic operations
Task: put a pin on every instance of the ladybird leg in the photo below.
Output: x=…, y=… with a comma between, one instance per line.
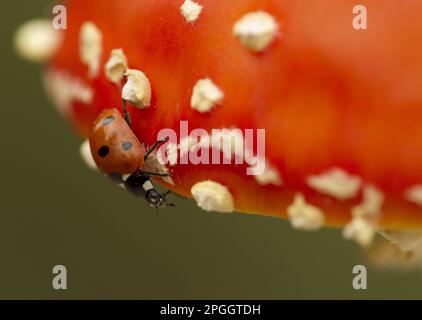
x=165, y=196
x=155, y=146
x=126, y=114
x=156, y=174
x=116, y=177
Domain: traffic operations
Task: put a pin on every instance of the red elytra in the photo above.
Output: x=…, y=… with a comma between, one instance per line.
x=114, y=146
x=327, y=95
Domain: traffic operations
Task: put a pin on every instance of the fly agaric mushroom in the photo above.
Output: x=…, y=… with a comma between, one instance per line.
x=341, y=108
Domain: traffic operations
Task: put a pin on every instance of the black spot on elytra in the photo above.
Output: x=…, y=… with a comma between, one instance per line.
x=103, y=151
x=107, y=120
x=127, y=145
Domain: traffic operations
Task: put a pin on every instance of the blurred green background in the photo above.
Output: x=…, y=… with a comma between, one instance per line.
x=56, y=211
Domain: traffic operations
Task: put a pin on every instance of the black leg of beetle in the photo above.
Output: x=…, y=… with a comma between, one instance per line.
x=116, y=177
x=126, y=114
x=155, y=146
x=156, y=174
x=165, y=196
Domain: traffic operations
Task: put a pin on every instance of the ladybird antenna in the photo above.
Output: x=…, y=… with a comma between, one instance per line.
x=126, y=113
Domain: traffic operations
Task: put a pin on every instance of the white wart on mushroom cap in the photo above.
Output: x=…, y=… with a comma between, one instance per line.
x=304, y=216
x=137, y=89
x=86, y=155
x=414, y=194
x=336, y=183
x=64, y=89
x=256, y=30
x=213, y=196
x=191, y=10
x=365, y=217
x=206, y=95
x=91, y=47
x=116, y=66
x=37, y=40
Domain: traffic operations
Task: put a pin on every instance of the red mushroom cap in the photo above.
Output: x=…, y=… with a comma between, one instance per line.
x=341, y=108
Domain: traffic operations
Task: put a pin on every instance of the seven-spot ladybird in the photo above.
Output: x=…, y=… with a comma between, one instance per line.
x=119, y=154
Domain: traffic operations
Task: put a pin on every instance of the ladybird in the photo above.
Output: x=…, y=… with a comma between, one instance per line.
x=118, y=153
